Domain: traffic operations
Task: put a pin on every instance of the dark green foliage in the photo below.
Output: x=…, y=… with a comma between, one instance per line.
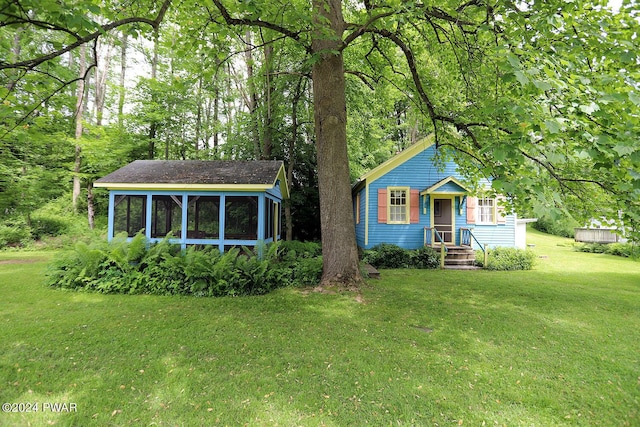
x=625, y=250
x=134, y=267
x=425, y=257
x=46, y=225
x=53, y=218
x=307, y=272
x=386, y=255
x=14, y=233
x=504, y=259
x=300, y=249
x=564, y=227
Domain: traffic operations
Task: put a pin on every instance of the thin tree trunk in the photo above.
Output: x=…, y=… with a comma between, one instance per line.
x=101, y=75
x=78, y=132
x=292, y=157
x=153, y=126
x=198, y=117
x=216, y=116
x=267, y=138
x=339, y=249
x=252, y=97
x=123, y=71
x=91, y=212
x=15, y=56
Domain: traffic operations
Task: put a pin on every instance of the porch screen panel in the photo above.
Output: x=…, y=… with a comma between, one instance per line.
x=166, y=215
x=269, y=218
x=203, y=217
x=130, y=214
x=241, y=218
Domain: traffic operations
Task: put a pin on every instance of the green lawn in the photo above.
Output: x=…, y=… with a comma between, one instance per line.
x=559, y=345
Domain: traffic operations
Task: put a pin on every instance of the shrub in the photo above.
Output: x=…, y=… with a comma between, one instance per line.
x=564, y=227
x=134, y=267
x=14, y=234
x=502, y=258
x=425, y=257
x=47, y=225
x=593, y=248
x=387, y=255
x=618, y=249
x=621, y=249
x=307, y=272
x=297, y=249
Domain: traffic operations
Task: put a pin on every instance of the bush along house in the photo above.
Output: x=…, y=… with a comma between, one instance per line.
x=221, y=203
x=412, y=202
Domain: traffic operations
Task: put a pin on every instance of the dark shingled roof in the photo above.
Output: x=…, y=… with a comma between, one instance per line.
x=208, y=172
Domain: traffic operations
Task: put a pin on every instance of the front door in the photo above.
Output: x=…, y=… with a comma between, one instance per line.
x=443, y=219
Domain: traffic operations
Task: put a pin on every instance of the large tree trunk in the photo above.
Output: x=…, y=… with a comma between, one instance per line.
x=339, y=250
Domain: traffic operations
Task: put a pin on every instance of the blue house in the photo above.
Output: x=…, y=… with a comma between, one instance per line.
x=411, y=202
x=222, y=203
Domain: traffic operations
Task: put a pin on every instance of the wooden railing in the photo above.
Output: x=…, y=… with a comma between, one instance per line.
x=466, y=236
x=429, y=233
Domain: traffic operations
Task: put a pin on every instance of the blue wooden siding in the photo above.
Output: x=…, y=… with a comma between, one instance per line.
x=360, y=227
x=496, y=234
x=272, y=194
x=420, y=173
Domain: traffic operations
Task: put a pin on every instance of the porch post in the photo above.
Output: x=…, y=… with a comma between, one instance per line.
x=221, y=217
x=148, y=216
x=261, y=231
x=183, y=233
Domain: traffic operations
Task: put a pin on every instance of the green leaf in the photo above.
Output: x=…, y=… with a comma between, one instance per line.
x=552, y=126
x=623, y=149
x=635, y=98
x=542, y=85
x=590, y=109
x=521, y=77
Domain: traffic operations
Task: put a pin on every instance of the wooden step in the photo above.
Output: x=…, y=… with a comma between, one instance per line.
x=460, y=257
x=462, y=267
x=371, y=271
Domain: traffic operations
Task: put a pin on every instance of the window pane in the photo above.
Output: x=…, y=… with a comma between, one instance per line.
x=166, y=215
x=241, y=218
x=203, y=217
x=398, y=206
x=486, y=210
x=130, y=214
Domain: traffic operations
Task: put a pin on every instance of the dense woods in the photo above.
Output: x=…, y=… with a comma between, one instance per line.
x=542, y=97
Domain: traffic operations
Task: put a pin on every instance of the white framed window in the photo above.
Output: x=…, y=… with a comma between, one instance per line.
x=486, y=210
x=398, y=205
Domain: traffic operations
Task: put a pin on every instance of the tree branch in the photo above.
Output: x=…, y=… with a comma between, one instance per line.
x=230, y=20
x=32, y=63
x=361, y=29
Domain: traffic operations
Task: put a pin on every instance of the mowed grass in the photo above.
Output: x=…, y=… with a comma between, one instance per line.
x=559, y=345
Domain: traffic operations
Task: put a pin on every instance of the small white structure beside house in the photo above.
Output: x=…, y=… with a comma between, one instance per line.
x=521, y=231
x=599, y=231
